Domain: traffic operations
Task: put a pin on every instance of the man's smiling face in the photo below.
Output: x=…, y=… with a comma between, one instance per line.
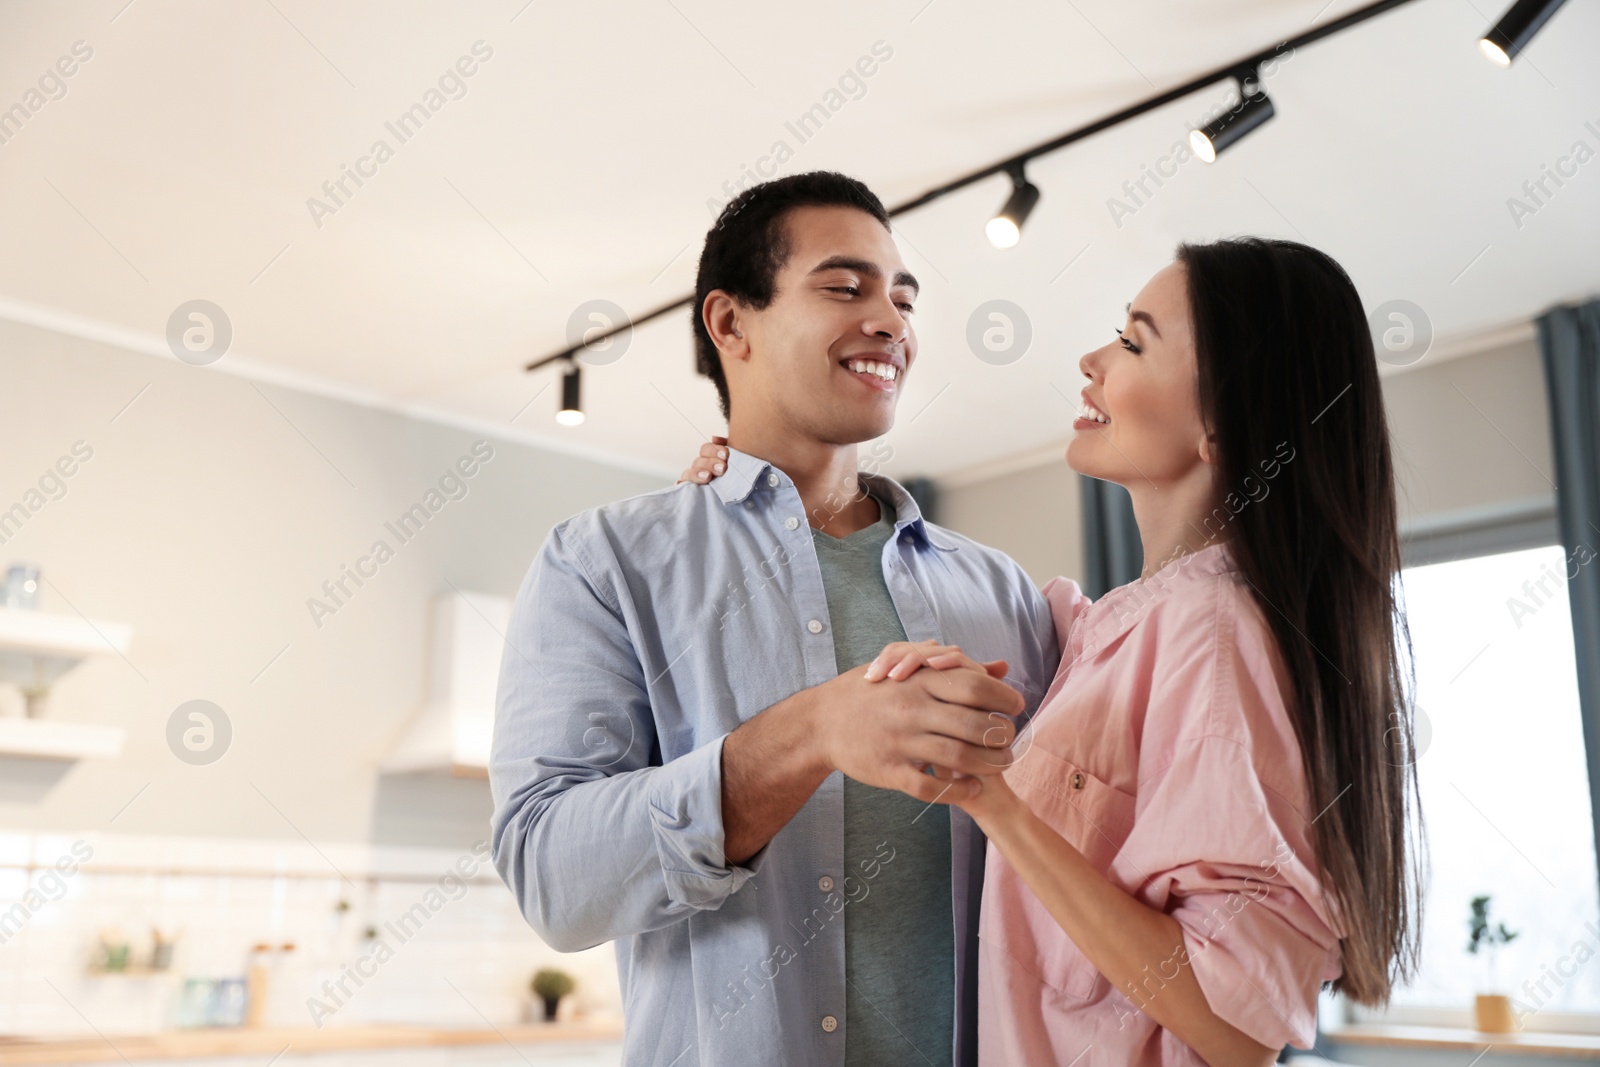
x=829, y=355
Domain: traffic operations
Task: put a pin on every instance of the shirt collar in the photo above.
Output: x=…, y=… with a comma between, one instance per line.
x=740, y=478
x=908, y=517
x=1125, y=606
x=747, y=473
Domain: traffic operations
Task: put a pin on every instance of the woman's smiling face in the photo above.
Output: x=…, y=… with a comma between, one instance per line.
x=1141, y=422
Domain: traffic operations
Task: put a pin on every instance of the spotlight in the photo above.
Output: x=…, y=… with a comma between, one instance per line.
x=1252, y=110
x=1005, y=229
x=1515, y=29
x=571, y=413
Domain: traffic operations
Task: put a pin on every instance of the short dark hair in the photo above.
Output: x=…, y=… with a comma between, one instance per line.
x=749, y=245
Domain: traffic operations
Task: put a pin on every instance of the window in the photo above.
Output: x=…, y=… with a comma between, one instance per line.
x=1504, y=791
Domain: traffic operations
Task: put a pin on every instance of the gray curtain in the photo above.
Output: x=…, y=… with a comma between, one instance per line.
x=1569, y=341
x=1112, y=554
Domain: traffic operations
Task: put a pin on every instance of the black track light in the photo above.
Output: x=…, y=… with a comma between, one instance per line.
x=1251, y=111
x=1515, y=29
x=1005, y=229
x=571, y=413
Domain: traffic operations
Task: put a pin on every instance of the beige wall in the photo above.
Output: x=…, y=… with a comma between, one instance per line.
x=205, y=521
x=1471, y=436
x=1034, y=515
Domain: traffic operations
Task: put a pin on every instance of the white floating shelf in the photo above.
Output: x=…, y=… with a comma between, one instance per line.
x=47, y=634
x=46, y=739
x=36, y=648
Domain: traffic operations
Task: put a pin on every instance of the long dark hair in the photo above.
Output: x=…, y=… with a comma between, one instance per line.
x=1285, y=355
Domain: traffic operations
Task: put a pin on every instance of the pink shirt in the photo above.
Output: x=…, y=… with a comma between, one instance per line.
x=1165, y=754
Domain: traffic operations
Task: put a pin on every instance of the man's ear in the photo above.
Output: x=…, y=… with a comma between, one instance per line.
x=721, y=314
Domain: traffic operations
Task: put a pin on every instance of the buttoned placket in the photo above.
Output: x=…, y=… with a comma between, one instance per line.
x=775, y=498
x=775, y=494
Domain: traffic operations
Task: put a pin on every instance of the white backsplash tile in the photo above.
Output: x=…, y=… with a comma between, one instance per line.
x=454, y=952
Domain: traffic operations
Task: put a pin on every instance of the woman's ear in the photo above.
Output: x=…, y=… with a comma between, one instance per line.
x=1208, y=453
x=721, y=314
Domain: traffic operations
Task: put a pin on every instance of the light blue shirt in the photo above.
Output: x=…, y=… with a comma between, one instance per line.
x=645, y=632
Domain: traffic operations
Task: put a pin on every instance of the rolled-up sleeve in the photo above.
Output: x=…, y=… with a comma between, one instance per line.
x=1221, y=841
x=1221, y=854
x=595, y=837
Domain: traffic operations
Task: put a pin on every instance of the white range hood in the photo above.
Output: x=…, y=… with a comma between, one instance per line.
x=453, y=730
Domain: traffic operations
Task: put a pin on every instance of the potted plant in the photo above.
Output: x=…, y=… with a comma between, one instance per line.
x=550, y=985
x=1491, y=1010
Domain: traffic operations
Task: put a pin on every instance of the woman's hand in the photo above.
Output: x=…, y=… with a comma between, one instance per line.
x=902, y=659
x=712, y=461
x=990, y=800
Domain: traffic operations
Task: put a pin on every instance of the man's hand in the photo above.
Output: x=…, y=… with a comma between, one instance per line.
x=956, y=719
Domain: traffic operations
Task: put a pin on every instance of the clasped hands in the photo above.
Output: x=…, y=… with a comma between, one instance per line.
x=928, y=720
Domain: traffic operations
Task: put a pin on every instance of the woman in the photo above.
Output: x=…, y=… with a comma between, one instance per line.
x=1207, y=818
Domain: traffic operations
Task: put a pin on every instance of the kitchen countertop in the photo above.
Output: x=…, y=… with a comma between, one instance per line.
x=274, y=1041
x=1578, y=1046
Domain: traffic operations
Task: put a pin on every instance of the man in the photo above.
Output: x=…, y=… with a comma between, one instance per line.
x=688, y=759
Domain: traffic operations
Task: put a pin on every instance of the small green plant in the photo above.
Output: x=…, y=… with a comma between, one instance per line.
x=550, y=985
x=1487, y=937
x=550, y=982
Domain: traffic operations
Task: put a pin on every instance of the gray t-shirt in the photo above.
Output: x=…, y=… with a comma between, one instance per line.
x=899, y=934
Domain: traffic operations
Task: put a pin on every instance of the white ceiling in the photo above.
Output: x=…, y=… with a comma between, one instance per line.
x=579, y=164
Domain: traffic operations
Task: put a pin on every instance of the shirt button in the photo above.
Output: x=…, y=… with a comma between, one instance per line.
x=829, y=1023
x=749, y=503
x=815, y=626
x=1077, y=779
x=772, y=479
x=791, y=523
x=825, y=883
